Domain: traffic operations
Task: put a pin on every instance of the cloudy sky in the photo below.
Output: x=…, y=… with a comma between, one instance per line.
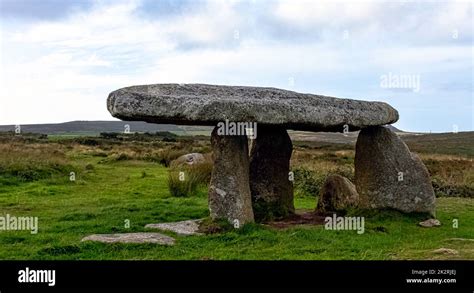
x=60, y=59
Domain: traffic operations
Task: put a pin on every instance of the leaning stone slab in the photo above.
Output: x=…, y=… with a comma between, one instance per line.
x=229, y=189
x=271, y=188
x=388, y=175
x=203, y=104
x=188, y=227
x=131, y=238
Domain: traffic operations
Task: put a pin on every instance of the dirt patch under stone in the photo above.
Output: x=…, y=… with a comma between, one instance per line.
x=131, y=238
x=299, y=218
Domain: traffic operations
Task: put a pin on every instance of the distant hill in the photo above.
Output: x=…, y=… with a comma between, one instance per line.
x=335, y=137
x=91, y=127
x=460, y=144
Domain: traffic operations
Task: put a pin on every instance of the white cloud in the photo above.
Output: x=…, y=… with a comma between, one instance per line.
x=63, y=70
x=89, y=54
x=324, y=12
x=423, y=58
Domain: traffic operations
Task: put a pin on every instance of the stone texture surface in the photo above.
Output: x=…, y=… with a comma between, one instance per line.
x=271, y=189
x=131, y=238
x=337, y=194
x=189, y=159
x=202, y=104
x=380, y=157
x=189, y=227
x=229, y=190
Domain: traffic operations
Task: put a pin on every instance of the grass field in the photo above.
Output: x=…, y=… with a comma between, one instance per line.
x=118, y=181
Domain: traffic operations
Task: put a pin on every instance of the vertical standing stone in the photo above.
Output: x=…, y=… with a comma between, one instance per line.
x=272, y=191
x=388, y=175
x=229, y=191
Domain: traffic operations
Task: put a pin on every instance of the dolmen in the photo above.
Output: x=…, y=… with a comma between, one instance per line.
x=252, y=183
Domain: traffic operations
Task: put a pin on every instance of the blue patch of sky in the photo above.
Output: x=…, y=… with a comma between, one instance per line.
x=41, y=9
x=153, y=9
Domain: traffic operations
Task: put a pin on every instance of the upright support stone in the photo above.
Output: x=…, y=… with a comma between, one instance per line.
x=229, y=191
x=388, y=175
x=272, y=191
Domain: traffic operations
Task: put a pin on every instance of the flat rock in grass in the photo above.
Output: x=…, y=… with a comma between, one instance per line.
x=443, y=250
x=430, y=223
x=131, y=238
x=459, y=239
x=204, y=104
x=188, y=227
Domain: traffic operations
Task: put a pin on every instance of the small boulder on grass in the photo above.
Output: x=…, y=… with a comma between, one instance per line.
x=430, y=223
x=337, y=194
x=189, y=159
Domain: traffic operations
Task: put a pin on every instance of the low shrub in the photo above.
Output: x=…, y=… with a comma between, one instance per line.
x=451, y=177
x=88, y=141
x=185, y=180
x=33, y=162
x=109, y=135
x=307, y=182
x=444, y=189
